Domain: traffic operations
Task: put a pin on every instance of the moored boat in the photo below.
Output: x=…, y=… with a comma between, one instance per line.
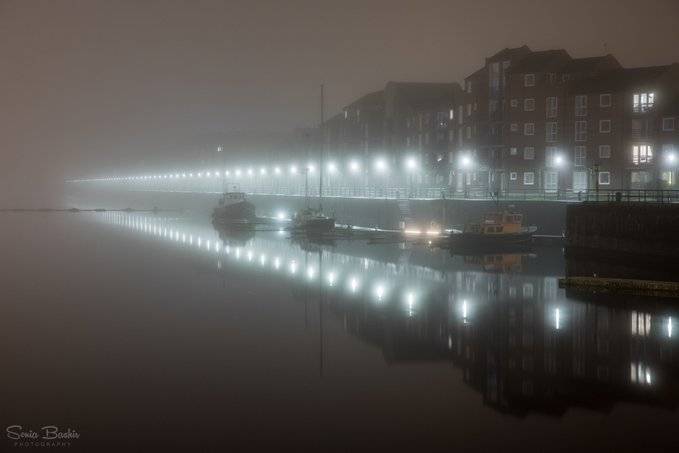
x=497, y=231
x=234, y=211
x=313, y=221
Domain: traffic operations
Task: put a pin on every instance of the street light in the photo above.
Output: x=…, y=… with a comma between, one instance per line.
x=465, y=165
x=354, y=166
x=380, y=165
x=411, y=166
x=411, y=163
x=465, y=161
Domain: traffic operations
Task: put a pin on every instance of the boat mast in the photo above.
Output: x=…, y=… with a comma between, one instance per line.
x=320, y=167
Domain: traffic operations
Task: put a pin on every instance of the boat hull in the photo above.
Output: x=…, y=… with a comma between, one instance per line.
x=480, y=243
x=317, y=226
x=242, y=213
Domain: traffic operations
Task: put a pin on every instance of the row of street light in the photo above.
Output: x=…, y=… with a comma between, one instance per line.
x=354, y=167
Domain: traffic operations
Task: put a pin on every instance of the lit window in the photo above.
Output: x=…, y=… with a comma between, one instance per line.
x=529, y=153
x=604, y=126
x=514, y=103
x=551, y=107
x=529, y=129
x=668, y=124
x=642, y=102
x=551, y=131
x=604, y=151
x=580, y=156
x=442, y=120
x=512, y=176
x=514, y=127
x=529, y=104
x=642, y=154
x=529, y=80
x=451, y=114
x=604, y=100
x=668, y=177
x=512, y=151
x=581, y=105
x=528, y=178
x=580, y=131
x=604, y=178
x=550, y=156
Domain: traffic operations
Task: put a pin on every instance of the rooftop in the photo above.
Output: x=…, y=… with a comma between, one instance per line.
x=620, y=79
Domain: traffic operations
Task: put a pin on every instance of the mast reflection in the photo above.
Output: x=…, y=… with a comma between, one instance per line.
x=521, y=342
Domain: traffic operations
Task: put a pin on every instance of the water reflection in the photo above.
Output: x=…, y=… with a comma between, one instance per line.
x=521, y=342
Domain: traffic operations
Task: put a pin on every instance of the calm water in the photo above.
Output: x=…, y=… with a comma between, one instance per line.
x=148, y=332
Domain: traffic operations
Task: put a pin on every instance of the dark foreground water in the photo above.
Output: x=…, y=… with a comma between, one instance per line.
x=146, y=333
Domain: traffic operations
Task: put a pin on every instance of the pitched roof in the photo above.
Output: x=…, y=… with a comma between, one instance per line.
x=587, y=64
x=542, y=61
x=620, y=79
x=417, y=92
x=374, y=99
x=509, y=52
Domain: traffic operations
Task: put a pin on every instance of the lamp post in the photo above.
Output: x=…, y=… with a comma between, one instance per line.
x=466, y=164
x=558, y=162
x=381, y=169
x=354, y=170
x=671, y=161
x=411, y=167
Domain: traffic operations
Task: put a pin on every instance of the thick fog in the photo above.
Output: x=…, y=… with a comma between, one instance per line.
x=92, y=88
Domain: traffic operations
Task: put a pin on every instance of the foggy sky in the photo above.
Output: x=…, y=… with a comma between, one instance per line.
x=97, y=87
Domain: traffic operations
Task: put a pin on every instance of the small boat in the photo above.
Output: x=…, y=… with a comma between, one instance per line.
x=234, y=211
x=312, y=221
x=497, y=231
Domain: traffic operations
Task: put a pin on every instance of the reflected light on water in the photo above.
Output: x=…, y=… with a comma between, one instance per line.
x=353, y=284
x=669, y=327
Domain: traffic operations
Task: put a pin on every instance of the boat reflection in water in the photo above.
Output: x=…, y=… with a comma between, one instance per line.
x=501, y=319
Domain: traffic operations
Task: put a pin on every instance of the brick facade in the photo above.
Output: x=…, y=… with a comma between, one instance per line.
x=526, y=121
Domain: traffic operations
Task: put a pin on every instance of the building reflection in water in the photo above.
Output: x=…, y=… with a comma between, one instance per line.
x=521, y=342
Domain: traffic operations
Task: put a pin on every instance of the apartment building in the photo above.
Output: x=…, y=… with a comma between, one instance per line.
x=568, y=123
x=358, y=130
x=430, y=135
x=482, y=122
x=526, y=121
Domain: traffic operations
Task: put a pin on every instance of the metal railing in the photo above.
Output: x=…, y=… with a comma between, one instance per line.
x=394, y=189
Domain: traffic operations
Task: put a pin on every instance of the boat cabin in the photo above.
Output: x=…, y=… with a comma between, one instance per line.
x=497, y=223
x=231, y=198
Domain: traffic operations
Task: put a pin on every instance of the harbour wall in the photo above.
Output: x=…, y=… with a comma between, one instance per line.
x=548, y=216
x=645, y=232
